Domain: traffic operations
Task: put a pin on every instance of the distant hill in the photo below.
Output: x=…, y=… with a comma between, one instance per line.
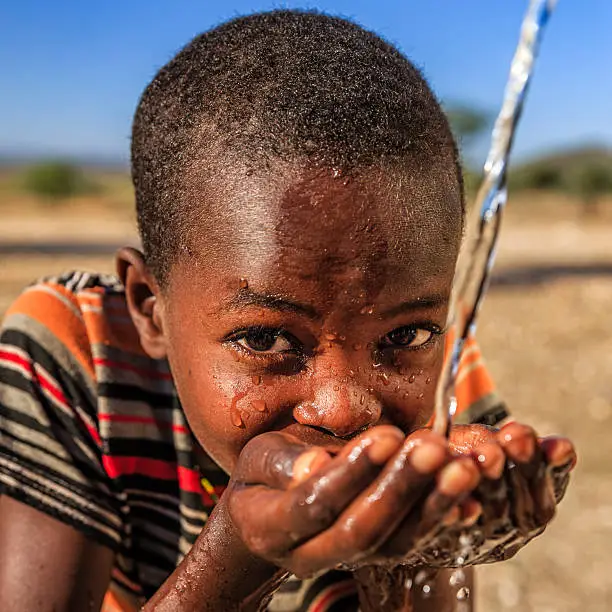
x=572, y=170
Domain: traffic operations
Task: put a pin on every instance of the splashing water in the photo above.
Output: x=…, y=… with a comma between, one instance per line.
x=478, y=255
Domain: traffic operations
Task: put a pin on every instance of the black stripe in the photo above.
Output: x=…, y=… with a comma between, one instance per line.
x=39, y=354
x=494, y=415
x=132, y=393
x=85, y=468
x=51, y=478
x=63, y=428
x=164, y=450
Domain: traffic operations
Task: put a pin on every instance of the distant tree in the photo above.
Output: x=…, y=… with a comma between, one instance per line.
x=467, y=122
x=56, y=180
x=590, y=183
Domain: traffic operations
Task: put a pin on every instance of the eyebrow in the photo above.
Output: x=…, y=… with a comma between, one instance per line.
x=430, y=301
x=246, y=297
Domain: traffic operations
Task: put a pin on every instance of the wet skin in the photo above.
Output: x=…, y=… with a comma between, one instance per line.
x=305, y=351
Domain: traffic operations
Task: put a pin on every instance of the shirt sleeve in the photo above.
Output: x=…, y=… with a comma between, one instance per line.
x=477, y=398
x=50, y=449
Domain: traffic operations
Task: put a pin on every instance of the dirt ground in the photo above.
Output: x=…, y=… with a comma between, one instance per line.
x=549, y=347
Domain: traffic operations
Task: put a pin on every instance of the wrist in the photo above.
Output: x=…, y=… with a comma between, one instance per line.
x=218, y=573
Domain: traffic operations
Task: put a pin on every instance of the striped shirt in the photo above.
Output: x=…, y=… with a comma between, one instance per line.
x=92, y=433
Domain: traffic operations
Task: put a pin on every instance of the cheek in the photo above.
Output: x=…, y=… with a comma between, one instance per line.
x=409, y=387
x=225, y=406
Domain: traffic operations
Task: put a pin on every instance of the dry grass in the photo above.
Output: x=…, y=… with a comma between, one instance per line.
x=549, y=347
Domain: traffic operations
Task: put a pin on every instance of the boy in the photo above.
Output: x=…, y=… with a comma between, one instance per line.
x=300, y=206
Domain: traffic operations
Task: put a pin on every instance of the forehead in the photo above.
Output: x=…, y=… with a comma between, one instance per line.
x=324, y=226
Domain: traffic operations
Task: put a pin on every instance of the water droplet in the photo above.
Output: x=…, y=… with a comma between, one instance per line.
x=408, y=583
x=481, y=458
x=244, y=283
x=368, y=309
x=376, y=365
x=397, y=389
x=259, y=405
x=457, y=578
x=235, y=416
x=330, y=336
x=384, y=378
x=362, y=400
x=412, y=378
x=336, y=172
x=336, y=388
x=421, y=396
x=426, y=591
x=463, y=593
x=342, y=338
x=427, y=381
x=357, y=346
x=351, y=373
x=256, y=380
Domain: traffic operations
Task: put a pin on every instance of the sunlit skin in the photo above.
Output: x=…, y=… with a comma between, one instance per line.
x=315, y=333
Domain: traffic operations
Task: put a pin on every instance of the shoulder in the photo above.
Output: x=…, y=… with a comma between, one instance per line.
x=75, y=313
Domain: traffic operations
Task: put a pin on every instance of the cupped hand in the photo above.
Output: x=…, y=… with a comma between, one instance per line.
x=386, y=499
x=522, y=478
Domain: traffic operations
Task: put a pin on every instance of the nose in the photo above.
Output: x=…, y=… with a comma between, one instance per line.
x=341, y=409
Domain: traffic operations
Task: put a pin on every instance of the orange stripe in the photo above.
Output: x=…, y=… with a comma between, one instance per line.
x=476, y=381
x=120, y=335
x=58, y=318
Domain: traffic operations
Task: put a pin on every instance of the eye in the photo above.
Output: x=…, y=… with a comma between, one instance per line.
x=265, y=340
x=408, y=337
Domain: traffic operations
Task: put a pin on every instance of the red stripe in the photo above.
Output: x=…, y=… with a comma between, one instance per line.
x=188, y=479
x=121, y=365
x=331, y=595
x=49, y=384
x=117, y=466
x=126, y=418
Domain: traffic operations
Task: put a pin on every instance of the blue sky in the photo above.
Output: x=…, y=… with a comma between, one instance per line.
x=72, y=71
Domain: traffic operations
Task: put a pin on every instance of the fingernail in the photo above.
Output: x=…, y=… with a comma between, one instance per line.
x=427, y=457
x=309, y=463
x=383, y=448
x=457, y=478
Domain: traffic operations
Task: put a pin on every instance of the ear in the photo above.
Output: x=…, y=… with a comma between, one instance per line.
x=144, y=300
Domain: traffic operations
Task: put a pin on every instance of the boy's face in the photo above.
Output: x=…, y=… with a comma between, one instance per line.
x=320, y=313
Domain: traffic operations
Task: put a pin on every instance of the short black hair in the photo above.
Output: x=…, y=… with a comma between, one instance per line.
x=285, y=84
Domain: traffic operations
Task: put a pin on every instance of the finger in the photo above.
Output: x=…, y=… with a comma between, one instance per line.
x=492, y=493
x=441, y=508
x=268, y=459
x=464, y=438
x=307, y=507
x=491, y=459
x=532, y=495
x=561, y=457
x=559, y=451
x=377, y=511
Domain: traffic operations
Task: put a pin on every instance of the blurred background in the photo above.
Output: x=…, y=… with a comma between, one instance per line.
x=71, y=77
